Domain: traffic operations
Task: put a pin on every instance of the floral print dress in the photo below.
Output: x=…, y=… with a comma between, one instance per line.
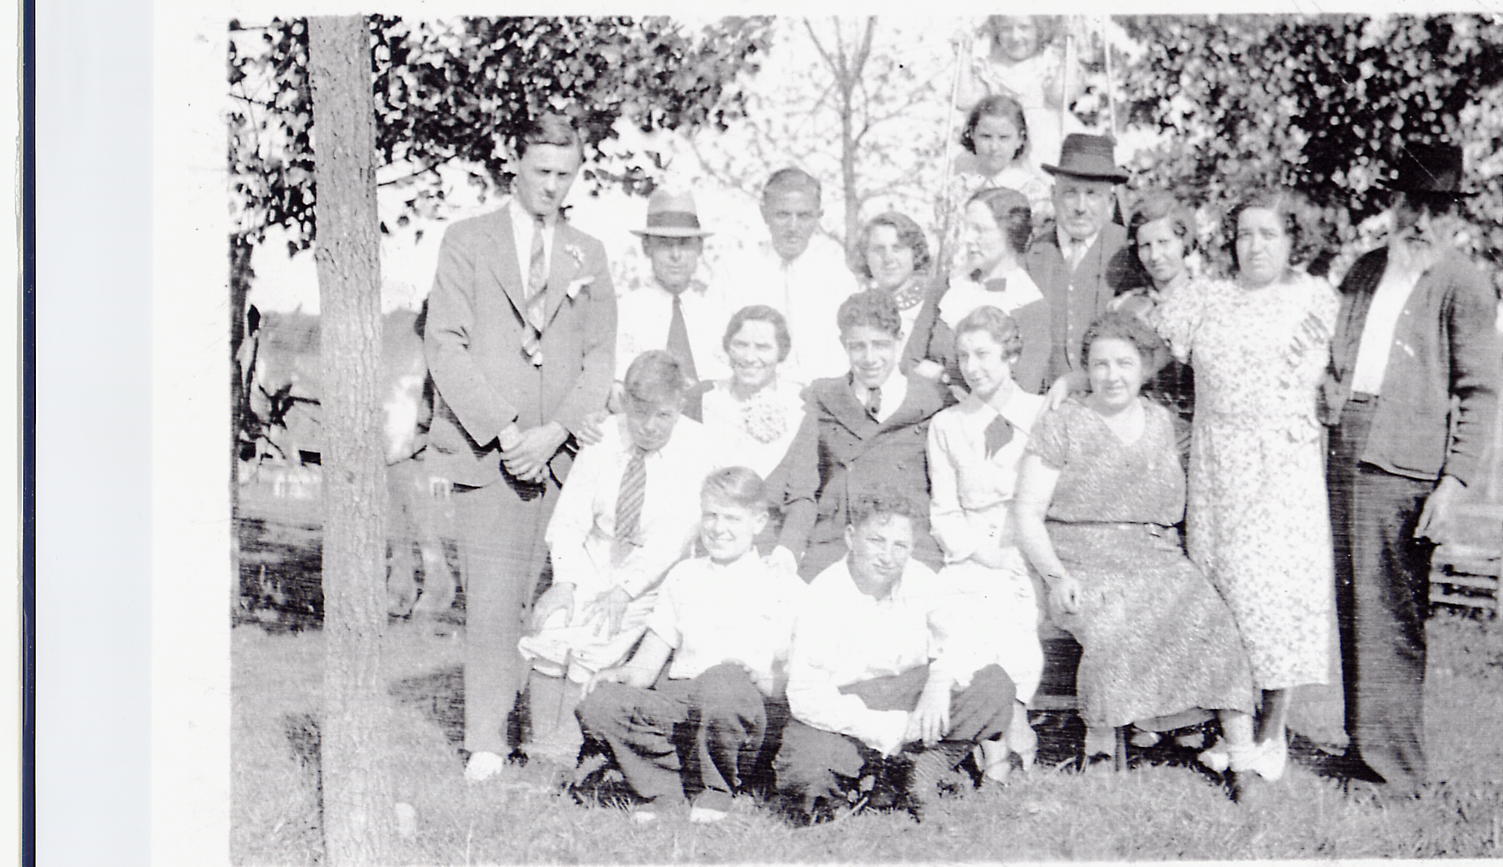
x=1257, y=519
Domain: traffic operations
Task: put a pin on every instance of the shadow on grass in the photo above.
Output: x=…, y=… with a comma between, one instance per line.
x=439, y=696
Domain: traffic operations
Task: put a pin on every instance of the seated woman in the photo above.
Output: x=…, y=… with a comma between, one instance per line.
x=754, y=414
x=628, y=512
x=997, y=226
x=974, y=450
x=1099, y=493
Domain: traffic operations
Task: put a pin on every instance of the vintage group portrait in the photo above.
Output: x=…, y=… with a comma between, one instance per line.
x=854, y=438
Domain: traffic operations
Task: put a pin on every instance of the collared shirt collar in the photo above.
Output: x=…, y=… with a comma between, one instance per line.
x=894, y=391
x=1065, y=239
x=1015, y=410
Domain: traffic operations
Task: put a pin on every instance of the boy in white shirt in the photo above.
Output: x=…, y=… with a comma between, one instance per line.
x=875, y=685
x=726, y=620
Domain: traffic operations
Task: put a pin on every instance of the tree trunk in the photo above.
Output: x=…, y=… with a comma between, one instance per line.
x=357, y=802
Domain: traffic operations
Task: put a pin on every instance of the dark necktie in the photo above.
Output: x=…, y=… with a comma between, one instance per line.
x=629, y=499
x=998, y=434
x=873, y=402
x=678, y=339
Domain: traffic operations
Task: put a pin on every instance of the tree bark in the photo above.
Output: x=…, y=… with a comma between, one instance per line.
x=357, y=802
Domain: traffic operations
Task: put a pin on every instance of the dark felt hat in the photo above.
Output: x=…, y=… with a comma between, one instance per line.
x=1088, y=156
x=1429, y=170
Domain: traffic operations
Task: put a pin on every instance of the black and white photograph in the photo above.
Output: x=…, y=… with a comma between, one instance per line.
x=979, y=437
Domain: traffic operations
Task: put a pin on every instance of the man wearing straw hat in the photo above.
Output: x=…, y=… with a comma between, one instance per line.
x=1411, y=396
x=675, y=310
x=1080, y=260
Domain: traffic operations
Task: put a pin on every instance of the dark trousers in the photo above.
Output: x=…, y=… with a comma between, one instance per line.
x=698, y=738
x=1383, y=598
x=813, y=763
x=500, y=529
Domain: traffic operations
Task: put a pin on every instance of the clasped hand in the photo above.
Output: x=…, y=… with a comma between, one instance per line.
x=525, y=453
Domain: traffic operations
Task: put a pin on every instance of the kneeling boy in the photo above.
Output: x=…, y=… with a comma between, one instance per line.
x=726, y=619
x=875, y=685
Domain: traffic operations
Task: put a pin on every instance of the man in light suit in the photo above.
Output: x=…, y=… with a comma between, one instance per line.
x=1411, y=396
x=520, y=342
x=1080, y=261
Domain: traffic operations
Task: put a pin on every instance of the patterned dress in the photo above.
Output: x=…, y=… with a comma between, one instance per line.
x=1257, y=520
x=1156, y=639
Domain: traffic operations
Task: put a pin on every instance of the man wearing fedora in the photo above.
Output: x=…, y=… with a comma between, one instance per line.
x=674, y=310
x=1411, y=397
x=519, y=341
x=1080, y=260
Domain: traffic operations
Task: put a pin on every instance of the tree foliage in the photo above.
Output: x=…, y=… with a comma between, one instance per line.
x=1319, y=103
x=457, y=91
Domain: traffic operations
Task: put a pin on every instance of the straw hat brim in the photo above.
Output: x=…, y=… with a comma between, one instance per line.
x=671, y=232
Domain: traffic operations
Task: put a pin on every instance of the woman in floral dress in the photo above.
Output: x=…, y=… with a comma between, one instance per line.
x=1257, y=519
x=1099, y=493
x=753, y=414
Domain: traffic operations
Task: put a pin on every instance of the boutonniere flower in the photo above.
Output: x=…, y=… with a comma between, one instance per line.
x=578, y=284
x=575, y=253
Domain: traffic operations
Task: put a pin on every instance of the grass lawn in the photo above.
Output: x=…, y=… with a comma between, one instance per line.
x=1149, y=812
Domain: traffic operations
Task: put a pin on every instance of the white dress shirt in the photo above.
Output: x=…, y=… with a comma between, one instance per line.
x=583, y=527
x=808, y=292
x=965, y=295
x=970, y=506
x=843, y=637
x=644, y=314
x=892, y=392
x=970, y=493
x=581, y=534
x=741, y=611
x=1383, y=313
x=1071, y=249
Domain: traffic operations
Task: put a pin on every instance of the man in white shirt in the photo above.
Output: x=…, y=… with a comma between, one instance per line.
x=628, y=513
x=874, y=685
x=726, y=619
x=674, y=310
x=797, y=273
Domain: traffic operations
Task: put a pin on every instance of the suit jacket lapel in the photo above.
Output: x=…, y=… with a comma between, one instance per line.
x=919, y=403
x=839, y=401
x=563, y=267
x=505, y=266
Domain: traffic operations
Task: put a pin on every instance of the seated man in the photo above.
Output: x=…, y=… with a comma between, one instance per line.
x=627, y=514
x=874, y=686
x=860, y=430
x=727, y=620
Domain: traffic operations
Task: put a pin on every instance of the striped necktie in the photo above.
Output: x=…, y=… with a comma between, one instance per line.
x=629, y=499
x=537, y=276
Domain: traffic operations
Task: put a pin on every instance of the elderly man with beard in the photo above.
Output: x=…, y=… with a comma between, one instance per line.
x=1411, y=398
